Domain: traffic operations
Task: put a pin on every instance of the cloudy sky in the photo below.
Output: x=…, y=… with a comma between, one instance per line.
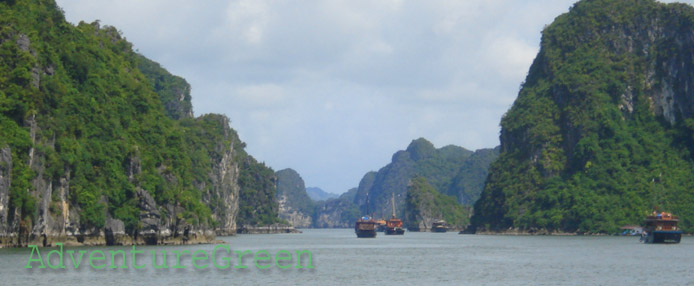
x=333, y=88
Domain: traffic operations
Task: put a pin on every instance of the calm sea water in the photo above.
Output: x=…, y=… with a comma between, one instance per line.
x=340, y=258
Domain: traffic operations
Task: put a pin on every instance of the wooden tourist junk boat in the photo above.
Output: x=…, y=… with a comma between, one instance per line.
x=439, y=226
x=661, y=228
x=365, y=227
x=394, y=225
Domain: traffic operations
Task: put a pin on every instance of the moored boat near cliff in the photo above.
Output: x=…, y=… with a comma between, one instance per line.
x=661, y=228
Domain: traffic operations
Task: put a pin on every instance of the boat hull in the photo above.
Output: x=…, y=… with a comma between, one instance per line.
x=395, y=231
x=365, y=228
x=366, y=233
x=664, y=236
x=439, y=229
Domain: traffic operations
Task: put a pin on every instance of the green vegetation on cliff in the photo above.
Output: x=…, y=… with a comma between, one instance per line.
x=291, y=186
x=450, y=170
x=77, y=105
x=601, y=131
x=424, y=205
x=257, y=203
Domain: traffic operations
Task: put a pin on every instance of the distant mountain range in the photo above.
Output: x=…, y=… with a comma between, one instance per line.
x=449, y=180
x=317, y=194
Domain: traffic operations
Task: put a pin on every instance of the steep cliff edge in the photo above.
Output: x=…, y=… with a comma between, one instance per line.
x=98, y=145
x=424, y=206
x=295, y=206
x=601, y=131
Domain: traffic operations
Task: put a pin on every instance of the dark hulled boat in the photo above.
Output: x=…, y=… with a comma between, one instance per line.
x=365, y=227
x=661, y=228
x=439, y=226
x=394, y=225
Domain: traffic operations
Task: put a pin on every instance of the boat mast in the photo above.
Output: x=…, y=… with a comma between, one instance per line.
x=393, y=201
x=367, y=205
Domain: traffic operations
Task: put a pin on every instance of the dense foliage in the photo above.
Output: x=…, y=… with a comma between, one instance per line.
x=77, y=103
x=469, y=181
x=601, y=131
x=291, y=185
x=423, y=201
x=450, y=170
x=174, y=91
x=257, y=203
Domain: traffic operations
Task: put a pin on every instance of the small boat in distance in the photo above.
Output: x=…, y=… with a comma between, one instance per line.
x=365, y=227
x=439, y=226
x=661, y=228
x=394, y=225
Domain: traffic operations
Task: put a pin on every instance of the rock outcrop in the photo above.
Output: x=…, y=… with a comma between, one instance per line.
x=450, y=170
x=5, y=183
x=336, y=213
x=601, y=130
x=295, y=206
x=424, y=206
x=98, y=145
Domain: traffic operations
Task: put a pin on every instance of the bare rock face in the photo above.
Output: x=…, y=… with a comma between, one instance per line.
x=5, y=181
x=225, y=176
x=293, y=216
x=53, y=187
x=224, y=179
x=295, y=205
x=58, y=220
x=157, y=230
x=149, y=215
x=332, y=214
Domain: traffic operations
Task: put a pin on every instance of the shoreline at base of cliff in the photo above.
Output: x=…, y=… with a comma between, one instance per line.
x=268, y=229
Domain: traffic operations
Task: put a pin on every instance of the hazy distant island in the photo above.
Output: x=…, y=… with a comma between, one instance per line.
x=317, y=194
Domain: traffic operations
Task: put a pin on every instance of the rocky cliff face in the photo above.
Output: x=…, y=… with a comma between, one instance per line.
x=293, y=216
x=98, y=145
x=601, y=131
x=58, y=218
x=174, y=91
x=451, y=170
x=295, y=206
x=336, y=213
x=224, y=186
x=339, y=212
x=5, y=182
x=424, y=206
